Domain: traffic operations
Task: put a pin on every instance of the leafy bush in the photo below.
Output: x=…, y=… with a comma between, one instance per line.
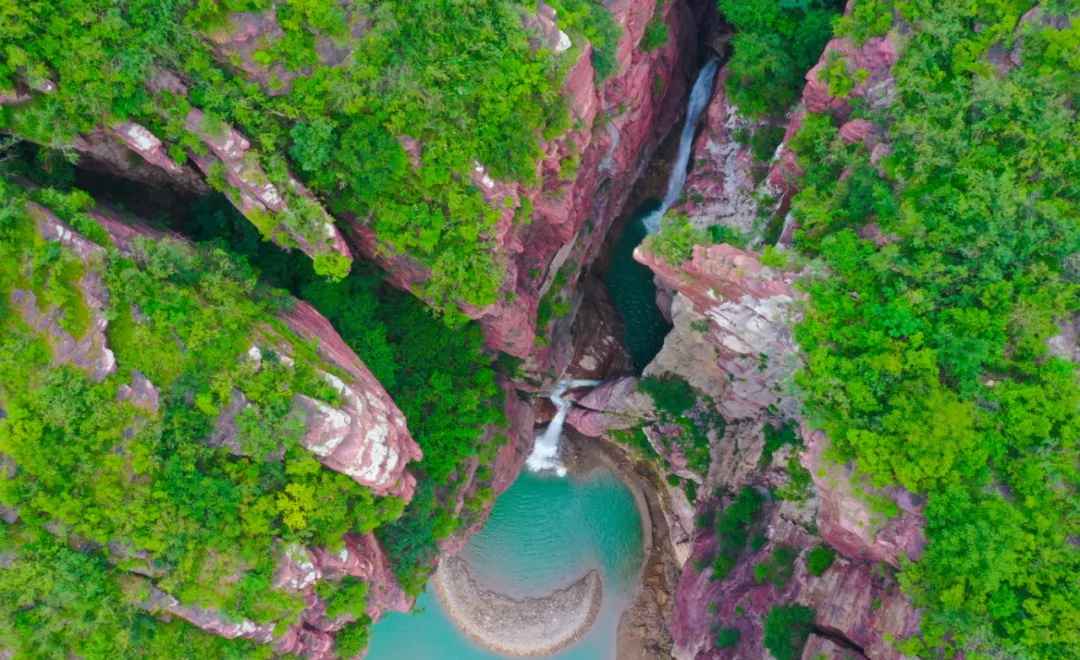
x=765, y=140
x=725, y=234
x=656, y=35
x=671, y=394
x=727, y=638
x=775, y=44
x=819, y=559
x=732, y=528
x=778, y=568
x=676, y=239
x=787, y=628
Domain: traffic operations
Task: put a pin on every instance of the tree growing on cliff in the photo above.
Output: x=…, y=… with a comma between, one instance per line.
x=787, y=627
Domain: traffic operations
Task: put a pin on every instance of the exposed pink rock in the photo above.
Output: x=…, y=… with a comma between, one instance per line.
x=362, y=557
x=857, y=130
x=852, y=602
x=846, y=520
x=366, y=438
x=141, y=392
x=823, y=648
x=871, y=66
x=208, y=620
x=254, y=194
x=612, y=405
x=512, y=455
x=89, y=352
x=547, y=33
x=244, y=34
x=720, y=185
x=296, y=568
x=748, y=310
x=108, y=151
x=596, y=337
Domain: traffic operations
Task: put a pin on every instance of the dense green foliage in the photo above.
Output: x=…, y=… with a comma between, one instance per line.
x=787, y=628
x=732, y=526
x=442, y=380
x=56, y=601
x=146, y=488
x=776, y=42
x=819, y=559
x=676, y=239
x=727, y=638
x=927, y=360
x=459, y=78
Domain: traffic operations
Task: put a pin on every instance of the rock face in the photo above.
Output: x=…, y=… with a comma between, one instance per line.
x=744, y=353
x=845, y=519
x=720, y=185
x=366, y=438
x=90, y=351
x=611, y=406
x=618, y=125
x=870, y=66
x=855, y=604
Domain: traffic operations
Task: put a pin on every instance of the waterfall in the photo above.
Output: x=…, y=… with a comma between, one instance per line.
x=545, y=453
x=700, y=96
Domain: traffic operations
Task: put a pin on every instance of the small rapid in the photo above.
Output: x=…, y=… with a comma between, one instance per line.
x=545, y=453
x=700, y=96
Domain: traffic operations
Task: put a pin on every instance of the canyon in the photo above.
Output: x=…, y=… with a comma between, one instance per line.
x=731, y=342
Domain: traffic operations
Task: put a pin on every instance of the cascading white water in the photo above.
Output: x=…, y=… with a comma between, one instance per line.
x=700, y=96
x=545, y=453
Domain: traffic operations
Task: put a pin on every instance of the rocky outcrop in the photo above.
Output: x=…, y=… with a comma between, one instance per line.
x=363, y=557
x=158, y=602
x=869, y=68
x=611, y=406
x=732, y=337
x=857, y=606
x=89, y=351
x=846, y=519
x=720, y=185
x=365, y=437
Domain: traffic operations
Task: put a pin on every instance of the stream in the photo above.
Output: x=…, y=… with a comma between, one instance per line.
x=556, y=522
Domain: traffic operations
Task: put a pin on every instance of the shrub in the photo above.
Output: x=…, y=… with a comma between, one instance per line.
x=671, y=394
x=727, y=638
x=732, y=527
x=656, y=35
x=676, y=239
x=764, y=141
x=778, y=568
x=819, y=559
x=787, y=628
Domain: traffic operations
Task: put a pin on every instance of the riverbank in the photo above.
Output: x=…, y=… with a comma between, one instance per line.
x=517, y=627
x=643, y=626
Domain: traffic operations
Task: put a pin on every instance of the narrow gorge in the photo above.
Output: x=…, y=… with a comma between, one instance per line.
x=592, y=330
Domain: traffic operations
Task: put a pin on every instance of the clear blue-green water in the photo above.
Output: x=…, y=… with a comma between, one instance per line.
x=633, y=292
x=544, y=533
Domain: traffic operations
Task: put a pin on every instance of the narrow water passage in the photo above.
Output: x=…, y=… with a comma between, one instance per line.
x=700, y=96
x=545, y=453
x=633, y=292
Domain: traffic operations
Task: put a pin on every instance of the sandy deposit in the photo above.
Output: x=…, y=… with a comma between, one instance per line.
x=518, y=627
